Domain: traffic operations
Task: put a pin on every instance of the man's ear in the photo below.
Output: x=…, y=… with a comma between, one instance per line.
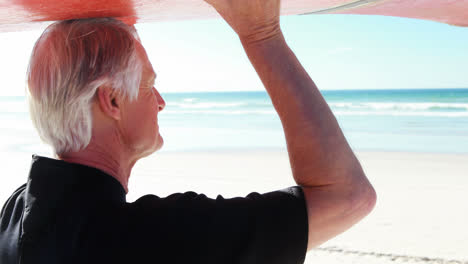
x=109, y=102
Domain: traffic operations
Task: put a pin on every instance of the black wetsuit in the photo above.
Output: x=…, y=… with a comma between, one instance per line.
x=70, y=213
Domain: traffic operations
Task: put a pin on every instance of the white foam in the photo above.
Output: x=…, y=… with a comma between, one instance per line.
x=221, y=112
x=409, y=106
x=206, y=105
x=400, y=113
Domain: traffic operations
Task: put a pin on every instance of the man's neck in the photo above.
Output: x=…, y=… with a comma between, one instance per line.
x=105, y=158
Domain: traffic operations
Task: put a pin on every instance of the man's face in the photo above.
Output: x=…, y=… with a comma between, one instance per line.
x=140, y=117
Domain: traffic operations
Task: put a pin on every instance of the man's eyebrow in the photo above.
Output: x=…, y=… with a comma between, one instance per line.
x=151, y=79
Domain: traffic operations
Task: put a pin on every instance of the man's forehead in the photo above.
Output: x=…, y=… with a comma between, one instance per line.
x=147, y=66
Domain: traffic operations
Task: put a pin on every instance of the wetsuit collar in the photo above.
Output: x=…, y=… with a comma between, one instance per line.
x=59, y=176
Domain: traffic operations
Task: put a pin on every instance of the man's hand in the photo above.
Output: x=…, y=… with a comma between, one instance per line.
x=252, y=20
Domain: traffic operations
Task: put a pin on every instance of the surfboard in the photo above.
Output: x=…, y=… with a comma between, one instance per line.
x=29, y=14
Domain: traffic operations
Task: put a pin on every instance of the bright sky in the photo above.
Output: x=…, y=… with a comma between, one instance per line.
x=338, y=51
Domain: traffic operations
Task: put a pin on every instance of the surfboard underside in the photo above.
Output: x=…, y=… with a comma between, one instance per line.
x=29, y=14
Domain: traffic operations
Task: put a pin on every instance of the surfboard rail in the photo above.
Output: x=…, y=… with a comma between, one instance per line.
x=29, y=14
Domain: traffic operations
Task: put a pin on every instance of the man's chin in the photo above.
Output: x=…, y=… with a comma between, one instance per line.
x=156, y=146
x=159, y=144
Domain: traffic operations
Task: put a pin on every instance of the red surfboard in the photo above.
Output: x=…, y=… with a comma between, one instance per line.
x=29, y=14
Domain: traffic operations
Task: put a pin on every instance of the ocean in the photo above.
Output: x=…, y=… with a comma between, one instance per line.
x=419, y=120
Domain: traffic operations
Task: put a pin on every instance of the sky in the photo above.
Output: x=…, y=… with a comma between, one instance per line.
x=338, y=51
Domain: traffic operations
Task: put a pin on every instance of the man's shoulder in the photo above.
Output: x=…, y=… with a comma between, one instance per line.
x=10, y=225
x=13, y=204
x=246, y=228
x=193, y=203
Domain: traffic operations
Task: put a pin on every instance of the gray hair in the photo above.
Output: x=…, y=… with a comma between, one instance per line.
x=69, y=62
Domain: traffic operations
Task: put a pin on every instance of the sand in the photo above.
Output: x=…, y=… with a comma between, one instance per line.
x=420, y=216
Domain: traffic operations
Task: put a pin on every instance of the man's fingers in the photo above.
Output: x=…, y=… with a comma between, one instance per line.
x=211, y=2
x=250, y=19
x=216, y=4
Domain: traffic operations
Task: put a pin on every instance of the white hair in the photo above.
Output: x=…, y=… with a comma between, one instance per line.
x=69, y=62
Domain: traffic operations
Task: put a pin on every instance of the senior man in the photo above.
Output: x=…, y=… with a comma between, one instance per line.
x=93, y=99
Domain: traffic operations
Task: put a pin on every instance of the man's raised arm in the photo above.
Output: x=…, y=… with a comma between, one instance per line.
x=337, y=192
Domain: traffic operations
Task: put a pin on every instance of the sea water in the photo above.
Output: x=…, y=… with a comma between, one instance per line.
x=419, y=120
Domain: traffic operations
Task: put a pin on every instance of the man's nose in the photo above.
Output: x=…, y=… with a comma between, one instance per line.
x=161, y=102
